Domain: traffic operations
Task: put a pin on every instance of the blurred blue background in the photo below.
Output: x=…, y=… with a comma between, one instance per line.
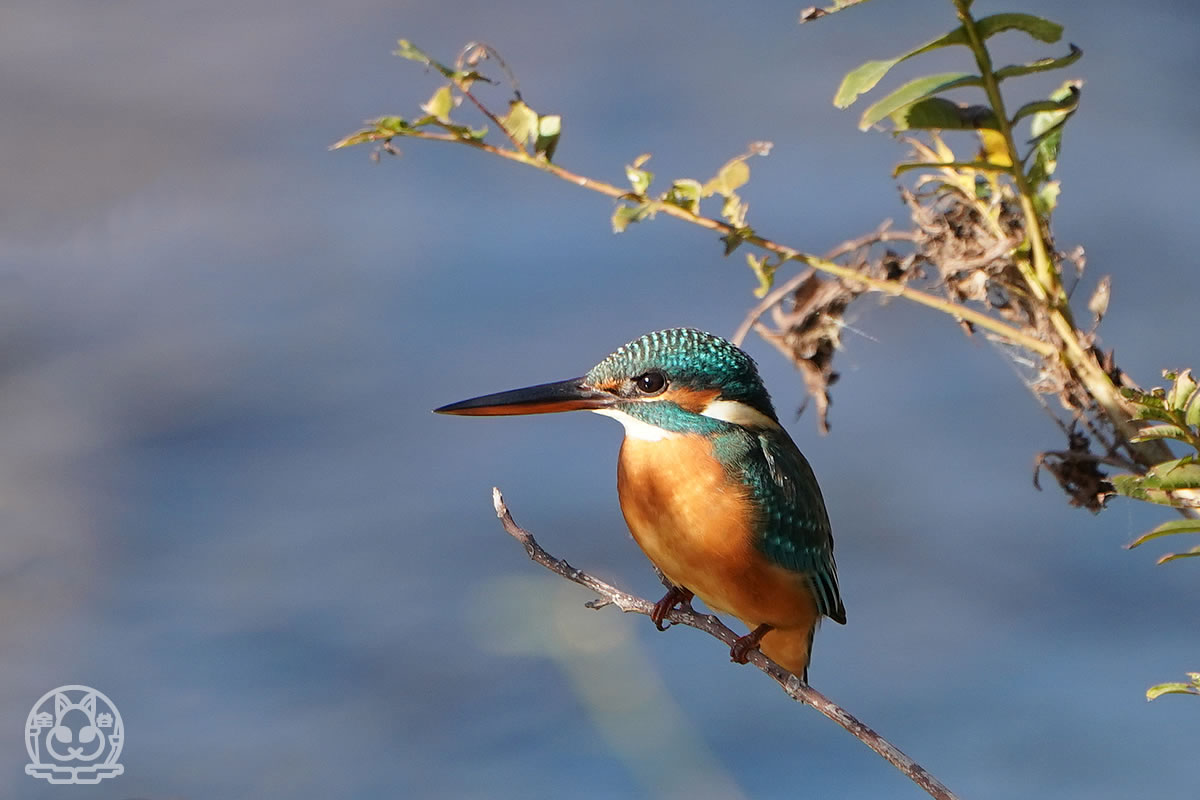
x=226, y=505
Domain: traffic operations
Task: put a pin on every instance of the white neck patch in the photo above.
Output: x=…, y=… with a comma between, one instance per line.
x=738, y=413
x=636, y=428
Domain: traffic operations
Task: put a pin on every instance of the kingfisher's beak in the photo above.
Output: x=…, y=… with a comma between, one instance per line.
x=547, y=398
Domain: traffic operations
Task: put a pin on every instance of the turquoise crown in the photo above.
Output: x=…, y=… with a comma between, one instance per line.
x=692, y=359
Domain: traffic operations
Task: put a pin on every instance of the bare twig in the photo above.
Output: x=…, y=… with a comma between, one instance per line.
x=472, y=53
x=794, y=687
x=880, y=234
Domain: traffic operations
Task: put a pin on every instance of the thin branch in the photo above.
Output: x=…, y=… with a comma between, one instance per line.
x=465, y=88
x=880, y=234
x=893, y=288
x=774, y=298
x=793, y=686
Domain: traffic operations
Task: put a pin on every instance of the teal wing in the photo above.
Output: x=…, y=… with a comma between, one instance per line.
x=796, y=533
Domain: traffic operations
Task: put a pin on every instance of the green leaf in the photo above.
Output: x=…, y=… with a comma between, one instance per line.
x=439, y=105
x=1046, y=199
x=733, y=211
x=863, y=78
x=1193, y=553
x=467, y=132
x=1179, y=473
x=624, y=216
x=729, y=179
x=1155, y=432
x=358, y=137
x=684, y=193
x=521, y=123
x=914, y=91
x=981, y=166
x=1181, y=391
x=1172, y=483
x=1041, y=65
x=1192, y=415
x=764, y=270
x=1152, y=412
x=395, y=125
x=1192, y=687
x=639, y=179
x=1047, y=128
x=1038, y=27
x=465, y=78
x=938, y=113
x=1133, y=395
x=406, y=49
x=1146, y=405
x=1068, y=104
x=1048, y=121
x=734, y=240
x=379, y=129
x=548, y=129
x=1167, y=529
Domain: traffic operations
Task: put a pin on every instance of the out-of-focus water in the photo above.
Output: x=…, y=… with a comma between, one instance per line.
x=226, y=505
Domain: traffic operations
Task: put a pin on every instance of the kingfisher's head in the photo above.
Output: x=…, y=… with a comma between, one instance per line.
x=673, y=381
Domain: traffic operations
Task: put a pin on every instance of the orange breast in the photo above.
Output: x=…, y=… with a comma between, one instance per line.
x=697, y=526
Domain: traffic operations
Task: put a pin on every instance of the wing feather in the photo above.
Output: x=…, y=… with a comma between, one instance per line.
x=796, y=533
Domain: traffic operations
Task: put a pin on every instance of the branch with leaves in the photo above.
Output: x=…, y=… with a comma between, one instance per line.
x=794, y=687
x=981, y=243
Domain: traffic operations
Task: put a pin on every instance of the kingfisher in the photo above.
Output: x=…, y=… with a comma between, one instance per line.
x=713, y=489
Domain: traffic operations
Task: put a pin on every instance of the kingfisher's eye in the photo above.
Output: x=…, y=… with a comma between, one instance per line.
x=651, y=382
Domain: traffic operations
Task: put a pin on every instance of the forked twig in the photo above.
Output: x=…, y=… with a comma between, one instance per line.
x=881, y=234
x=793, y=686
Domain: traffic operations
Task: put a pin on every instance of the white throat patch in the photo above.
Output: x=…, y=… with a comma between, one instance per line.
x=739, y=414
x=636, y=428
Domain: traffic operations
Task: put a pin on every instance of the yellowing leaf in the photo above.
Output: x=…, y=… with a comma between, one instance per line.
x=639, y=179
x=1192, y=687
x=684, y=193
x=440, y=104
x=1193, y=553
x=993, y=149
x=520, y=122
x=944, y=153
x=1181, y=391
x=734, y=174
x=624, y=215
x=764, y=270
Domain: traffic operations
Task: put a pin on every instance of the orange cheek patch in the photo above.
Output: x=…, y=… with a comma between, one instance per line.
x=691, y=399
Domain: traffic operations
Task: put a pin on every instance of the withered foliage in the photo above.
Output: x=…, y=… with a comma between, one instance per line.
x=963, y=245
x=809, y=318
x=1077, y=471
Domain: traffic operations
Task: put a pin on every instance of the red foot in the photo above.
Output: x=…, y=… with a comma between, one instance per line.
x=741, y=649
x=675, y=596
